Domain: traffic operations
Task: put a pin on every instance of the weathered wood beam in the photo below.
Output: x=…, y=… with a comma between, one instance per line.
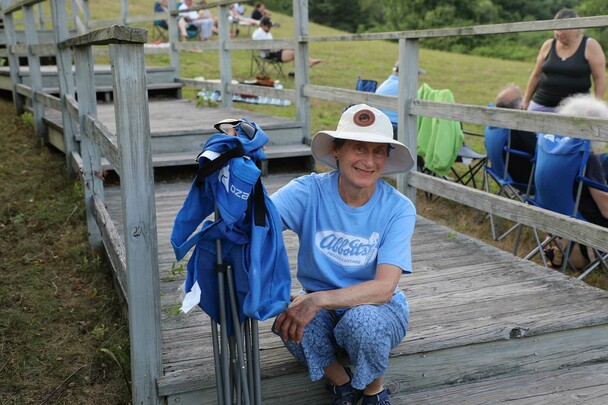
x=595, y=129
x=589, y=128
x=261, y=44
x=197, y=46
x=49, y=100
x=526, y=214
x=105, y=140
x=526, y=26
x=24, y=90
x=114, y=244
x=19, y=5
x=36, y=49
x=115, y=34
x=263, y=91
x=72, y=106
x=350, y=96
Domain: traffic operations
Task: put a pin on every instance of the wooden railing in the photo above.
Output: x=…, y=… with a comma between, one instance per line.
x=134, y=257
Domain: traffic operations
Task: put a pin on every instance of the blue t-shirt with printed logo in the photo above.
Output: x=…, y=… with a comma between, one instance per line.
x=341, y=245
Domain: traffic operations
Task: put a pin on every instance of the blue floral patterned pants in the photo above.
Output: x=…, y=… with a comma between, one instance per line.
x=366, y=332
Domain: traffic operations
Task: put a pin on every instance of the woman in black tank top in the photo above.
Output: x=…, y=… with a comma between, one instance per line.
x=565, y=66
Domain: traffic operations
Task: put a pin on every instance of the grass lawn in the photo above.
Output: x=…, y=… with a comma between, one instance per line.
x=63, y=339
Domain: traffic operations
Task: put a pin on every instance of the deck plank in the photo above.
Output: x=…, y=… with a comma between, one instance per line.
x=578, y=385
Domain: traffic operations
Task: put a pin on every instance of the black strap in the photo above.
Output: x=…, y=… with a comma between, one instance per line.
x=259, y=204
x=216, y=164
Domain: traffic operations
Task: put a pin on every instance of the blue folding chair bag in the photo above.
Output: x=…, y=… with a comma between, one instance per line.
x=559, y=161
x=257, y=252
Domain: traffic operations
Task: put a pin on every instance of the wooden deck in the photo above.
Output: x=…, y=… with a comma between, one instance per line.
x=477, y=314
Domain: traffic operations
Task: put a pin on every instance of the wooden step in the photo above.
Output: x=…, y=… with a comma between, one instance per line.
x=577, y=385
x=188, y=158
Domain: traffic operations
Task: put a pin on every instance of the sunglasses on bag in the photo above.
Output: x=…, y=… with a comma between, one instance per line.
x=227, y=125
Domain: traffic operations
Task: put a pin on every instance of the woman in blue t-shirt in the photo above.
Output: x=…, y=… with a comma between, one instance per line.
x=354, y=231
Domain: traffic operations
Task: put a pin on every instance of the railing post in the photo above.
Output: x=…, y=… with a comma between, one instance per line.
x=41, y=21
x=124, y=11
x=139, y=218
x=86, y=14
x=91, y=160
x=66, y=78
x=225, y=56
x=173, y=37
x=408, y=91
x=13, y=60
x=31, y=38
x=300, y=27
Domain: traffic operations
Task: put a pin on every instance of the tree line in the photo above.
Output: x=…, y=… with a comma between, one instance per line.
x=358, y=16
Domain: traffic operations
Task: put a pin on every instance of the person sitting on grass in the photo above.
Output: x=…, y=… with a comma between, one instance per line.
x=202, y=20
x=260, y=11
x=161, y=7
x=281, y=55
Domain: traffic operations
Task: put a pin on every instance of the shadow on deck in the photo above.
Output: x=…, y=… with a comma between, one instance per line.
x=476, y=313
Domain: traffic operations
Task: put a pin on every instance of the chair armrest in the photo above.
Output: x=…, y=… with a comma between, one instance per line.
x=593, y=184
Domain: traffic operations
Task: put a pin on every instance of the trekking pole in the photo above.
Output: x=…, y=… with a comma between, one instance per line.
x=240, y=361
x=217, y=363
x=249, y=359
x=255, y=349
x=224, y=369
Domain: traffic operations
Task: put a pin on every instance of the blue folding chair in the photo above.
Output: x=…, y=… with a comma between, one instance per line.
x=368, y=86
x=559, y=176
x=496, y=168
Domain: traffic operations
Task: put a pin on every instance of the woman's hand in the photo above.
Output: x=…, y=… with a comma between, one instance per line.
x=300, y=312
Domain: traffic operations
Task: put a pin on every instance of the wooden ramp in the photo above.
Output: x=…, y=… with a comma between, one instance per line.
x=179, y=131
x=476, y=313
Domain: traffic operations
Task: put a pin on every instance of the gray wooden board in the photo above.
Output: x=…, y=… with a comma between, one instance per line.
x=578, y=385
x=462, y=293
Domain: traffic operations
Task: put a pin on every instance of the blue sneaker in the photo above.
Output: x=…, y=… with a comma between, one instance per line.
x=345, y=394
x=379, y=399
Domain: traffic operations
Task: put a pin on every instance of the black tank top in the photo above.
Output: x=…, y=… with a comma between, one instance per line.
x=562, y=78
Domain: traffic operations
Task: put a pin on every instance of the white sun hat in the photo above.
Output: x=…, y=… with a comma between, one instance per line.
x=366, y=124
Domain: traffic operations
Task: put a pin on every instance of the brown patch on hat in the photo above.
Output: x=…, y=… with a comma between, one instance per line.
x=364, y=118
